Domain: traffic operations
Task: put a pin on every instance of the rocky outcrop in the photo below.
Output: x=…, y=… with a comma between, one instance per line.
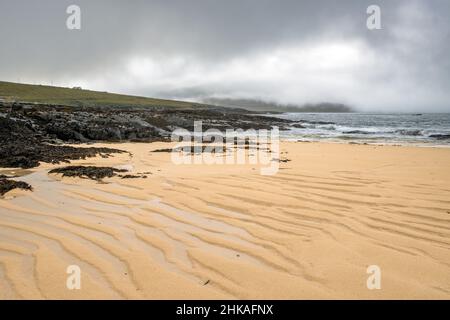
x=7, y=185
x=24, y=145
x=84, y=124
x=31, y=133
x=90, y=172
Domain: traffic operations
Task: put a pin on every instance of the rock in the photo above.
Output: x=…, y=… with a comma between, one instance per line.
x=91, y=172
x=356, y=132
x=8, y=185
x=31, y=133
x=132, y=176
x=440, y=136
x=23, y=147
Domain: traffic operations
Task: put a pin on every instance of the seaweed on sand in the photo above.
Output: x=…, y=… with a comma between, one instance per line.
x=7, y=185
x=90, y=172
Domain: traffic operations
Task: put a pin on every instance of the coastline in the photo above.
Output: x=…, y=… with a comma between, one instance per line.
x=373, y=144
x=225, y=231
x=424, y=129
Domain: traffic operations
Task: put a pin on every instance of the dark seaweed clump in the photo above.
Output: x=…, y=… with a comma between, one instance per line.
x=7, y=185
x=90, y=172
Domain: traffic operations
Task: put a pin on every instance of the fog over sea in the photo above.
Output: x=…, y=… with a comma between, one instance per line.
x=430, y=129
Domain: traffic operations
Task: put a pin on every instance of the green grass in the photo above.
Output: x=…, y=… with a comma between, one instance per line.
x=10, y=91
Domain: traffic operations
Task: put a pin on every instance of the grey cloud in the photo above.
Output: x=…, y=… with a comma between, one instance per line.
x=201, y=48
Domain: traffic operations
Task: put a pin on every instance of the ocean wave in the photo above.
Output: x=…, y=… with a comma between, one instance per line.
x=394, y=128
x=357, y=132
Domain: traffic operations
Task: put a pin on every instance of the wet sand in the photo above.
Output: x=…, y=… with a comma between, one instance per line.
x=225, y=231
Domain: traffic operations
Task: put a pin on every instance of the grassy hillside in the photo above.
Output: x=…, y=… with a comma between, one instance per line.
x=57, y=95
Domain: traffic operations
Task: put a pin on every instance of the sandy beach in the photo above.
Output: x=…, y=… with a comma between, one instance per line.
x=227, y=232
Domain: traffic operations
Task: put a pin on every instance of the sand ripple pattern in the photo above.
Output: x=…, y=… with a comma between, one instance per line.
x=298, y=234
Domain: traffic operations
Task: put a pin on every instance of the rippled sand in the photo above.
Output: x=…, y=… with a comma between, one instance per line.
x=225, y=231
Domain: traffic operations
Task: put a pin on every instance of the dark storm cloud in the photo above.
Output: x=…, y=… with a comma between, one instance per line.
x=288, y=51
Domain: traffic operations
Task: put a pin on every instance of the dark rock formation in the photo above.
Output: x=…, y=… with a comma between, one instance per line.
x=440, y=136
x=84, y=124
x=8, y=185
x=132, y=176
x=90, y=172
x=30, y=133
x=22, y=145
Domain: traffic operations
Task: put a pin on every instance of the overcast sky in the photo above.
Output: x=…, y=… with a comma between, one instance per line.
x=276, y=50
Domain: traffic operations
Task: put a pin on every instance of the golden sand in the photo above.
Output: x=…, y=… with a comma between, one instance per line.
x=225, y=231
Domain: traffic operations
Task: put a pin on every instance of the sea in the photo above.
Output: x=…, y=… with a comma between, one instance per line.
x=423, y=129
